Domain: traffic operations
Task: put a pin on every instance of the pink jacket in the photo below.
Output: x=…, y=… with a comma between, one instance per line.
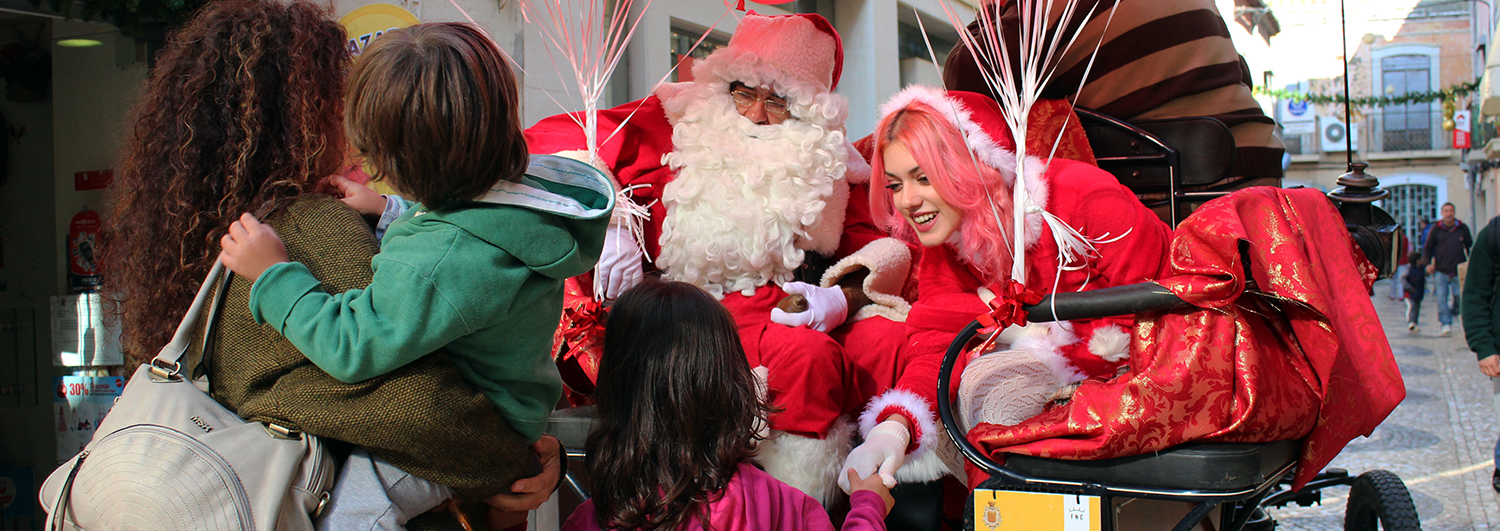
x=755, y=501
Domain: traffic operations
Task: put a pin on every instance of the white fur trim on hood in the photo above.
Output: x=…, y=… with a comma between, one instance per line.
x=980, y=142
x=889, y=263
x=807, y=101
x=984, y=146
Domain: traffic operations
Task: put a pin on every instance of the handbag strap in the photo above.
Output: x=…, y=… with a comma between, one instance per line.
x=167, y=364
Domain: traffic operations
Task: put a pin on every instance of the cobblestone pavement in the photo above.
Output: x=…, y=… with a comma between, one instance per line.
x=1440, y=440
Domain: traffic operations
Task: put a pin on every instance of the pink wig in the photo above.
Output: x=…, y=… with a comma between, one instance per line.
x=965, y=182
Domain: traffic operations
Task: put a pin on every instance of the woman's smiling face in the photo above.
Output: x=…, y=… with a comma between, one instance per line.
x=914, y=197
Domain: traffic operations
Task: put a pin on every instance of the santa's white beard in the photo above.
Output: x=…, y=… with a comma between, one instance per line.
x=747, y=200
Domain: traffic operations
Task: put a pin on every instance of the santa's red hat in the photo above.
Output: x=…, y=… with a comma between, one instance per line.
x=799, y=56
x=977, y=116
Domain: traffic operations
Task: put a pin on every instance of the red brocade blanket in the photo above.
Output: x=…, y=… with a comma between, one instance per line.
x=1300, y=355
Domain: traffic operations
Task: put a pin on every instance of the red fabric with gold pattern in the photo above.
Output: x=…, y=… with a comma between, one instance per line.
x=1048, y=117
x=579, y=339
x=1301, y=356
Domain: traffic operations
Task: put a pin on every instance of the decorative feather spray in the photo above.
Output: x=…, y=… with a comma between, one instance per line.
x=591, y=49
x=1018, y=86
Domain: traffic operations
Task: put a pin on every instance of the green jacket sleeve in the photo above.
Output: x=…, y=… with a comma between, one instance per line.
x=361, y=333
x=1479, y=298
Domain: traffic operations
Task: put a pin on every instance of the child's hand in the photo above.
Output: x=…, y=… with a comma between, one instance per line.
x=358, y=196
x=872, y=483
x=251, y=247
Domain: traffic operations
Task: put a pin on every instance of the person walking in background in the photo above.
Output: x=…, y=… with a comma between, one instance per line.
x=1480, y=326
x=1447, y=245
x=1414, y=283
x=1397, y=286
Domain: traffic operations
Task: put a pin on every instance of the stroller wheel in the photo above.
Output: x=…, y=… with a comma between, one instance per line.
x=1379, y=500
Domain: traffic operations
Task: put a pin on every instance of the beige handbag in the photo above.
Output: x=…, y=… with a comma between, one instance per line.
x=168, y=457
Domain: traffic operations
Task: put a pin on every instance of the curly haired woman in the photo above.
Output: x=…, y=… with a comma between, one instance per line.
x=244, y=112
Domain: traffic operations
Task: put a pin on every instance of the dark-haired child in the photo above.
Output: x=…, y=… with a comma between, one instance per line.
x=679, y=417
x=1415, y=284
x=475, y=267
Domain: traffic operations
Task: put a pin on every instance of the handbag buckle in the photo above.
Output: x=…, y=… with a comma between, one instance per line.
x=283, y=432
x=322, y=502
x=161, y=373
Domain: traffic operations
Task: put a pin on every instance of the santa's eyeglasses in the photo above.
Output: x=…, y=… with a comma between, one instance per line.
x=745, y=98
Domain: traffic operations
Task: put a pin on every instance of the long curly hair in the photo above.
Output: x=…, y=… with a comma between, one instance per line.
x=678, y=408
x=242, y=112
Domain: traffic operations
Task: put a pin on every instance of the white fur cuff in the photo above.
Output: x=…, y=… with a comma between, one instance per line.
x=889, y=263
x=1110, y=342
x=915, y=408
x=810, y=465
x=944, y=460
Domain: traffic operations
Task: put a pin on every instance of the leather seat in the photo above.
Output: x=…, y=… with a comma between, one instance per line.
x=1192, y=466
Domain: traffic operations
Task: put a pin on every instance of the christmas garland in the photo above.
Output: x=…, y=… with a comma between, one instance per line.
x=1450, y=93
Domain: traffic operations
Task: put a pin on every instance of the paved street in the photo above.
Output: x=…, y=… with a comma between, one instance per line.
x=1440, y=440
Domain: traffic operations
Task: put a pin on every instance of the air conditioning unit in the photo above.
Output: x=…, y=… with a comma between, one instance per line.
x=1332, y=133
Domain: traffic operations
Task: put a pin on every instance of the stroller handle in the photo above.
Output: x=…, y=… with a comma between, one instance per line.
x=1119, y=300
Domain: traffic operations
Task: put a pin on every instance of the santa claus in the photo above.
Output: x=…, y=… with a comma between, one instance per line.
x=742, y=182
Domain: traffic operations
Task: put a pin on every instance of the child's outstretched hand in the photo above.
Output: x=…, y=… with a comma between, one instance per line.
x=358, y=196
x=872, y=483
x=251, y=247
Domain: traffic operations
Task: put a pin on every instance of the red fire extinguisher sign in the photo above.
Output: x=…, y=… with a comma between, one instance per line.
x=84, y=235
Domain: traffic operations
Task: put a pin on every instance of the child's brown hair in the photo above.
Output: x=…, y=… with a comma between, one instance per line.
x=434, y=108
x=678, y=408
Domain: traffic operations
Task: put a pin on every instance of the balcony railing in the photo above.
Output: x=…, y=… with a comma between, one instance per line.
x=1387, y=131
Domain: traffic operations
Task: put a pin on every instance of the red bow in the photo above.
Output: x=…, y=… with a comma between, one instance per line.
x=582, y=329
x=1007, y=308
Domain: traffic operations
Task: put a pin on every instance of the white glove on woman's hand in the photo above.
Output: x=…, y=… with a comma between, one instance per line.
x=883, y=452
x=826, y=308
x=620, y=266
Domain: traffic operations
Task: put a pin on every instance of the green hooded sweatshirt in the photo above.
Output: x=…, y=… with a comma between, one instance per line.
x=483, y=281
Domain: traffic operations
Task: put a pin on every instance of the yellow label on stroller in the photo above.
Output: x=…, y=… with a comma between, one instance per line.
x=1004, y=509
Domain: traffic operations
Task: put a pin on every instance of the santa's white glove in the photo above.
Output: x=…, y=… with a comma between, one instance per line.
x=883, y=452
x=826, y=307
x=620, y=265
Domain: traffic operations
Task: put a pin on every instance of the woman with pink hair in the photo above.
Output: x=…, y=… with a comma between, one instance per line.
x=948, y=165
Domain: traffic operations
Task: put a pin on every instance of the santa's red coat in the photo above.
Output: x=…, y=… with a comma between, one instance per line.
x=808, y=372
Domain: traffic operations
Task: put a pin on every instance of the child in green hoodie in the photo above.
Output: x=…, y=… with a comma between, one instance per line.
x=474, y=267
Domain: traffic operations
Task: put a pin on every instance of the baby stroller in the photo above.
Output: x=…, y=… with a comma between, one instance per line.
x=1164, y=160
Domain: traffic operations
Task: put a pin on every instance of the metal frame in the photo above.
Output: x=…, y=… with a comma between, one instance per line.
x=1244, y=500
x=1169, y=157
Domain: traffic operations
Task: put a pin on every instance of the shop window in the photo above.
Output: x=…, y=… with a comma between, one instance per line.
x=683, y=52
